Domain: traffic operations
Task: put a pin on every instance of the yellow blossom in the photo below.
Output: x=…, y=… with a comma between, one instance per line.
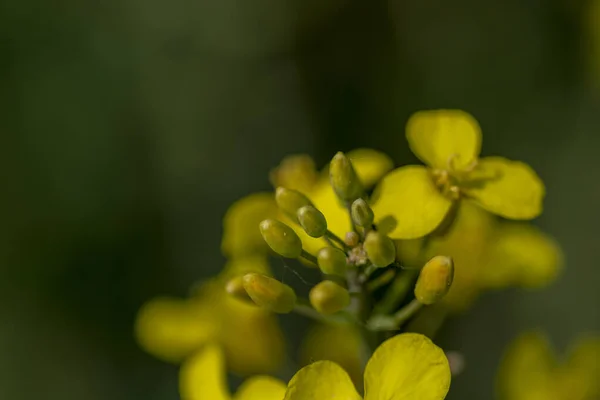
x=406, y=367
x=488, y=254
x=531, y=371
x=202, y=377
x=172, y=329
x=419, y=198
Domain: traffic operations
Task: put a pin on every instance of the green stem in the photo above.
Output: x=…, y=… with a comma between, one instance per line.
x=333, y=237
x=397, y=292
x=307, y=256
x=407, y=312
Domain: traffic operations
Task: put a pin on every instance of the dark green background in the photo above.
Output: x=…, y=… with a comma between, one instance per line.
x=128, y=126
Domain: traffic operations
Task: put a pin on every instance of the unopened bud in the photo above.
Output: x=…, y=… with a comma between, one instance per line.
x=343, y=178
x=332, y=261
x=281, y=238
x=380, y=249
x=235, y=288
x=362, y=215
x=269, y=293
x=290, y=201
x=434, y=280
x=328, y=297
x=313, y=221
x=351, y=239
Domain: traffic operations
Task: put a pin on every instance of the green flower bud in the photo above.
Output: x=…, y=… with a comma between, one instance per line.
x=362, y=215
x=351, y=239
x=281, y=238
x=269, y=293
x=343, y=178
x=235, y=288
x=313, y=221
x=380, y=249
x=328, y=297
x=290, y=201
x=434, y=280
x=332, y=261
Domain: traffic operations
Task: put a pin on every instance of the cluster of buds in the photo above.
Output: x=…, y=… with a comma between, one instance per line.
x=347, y=264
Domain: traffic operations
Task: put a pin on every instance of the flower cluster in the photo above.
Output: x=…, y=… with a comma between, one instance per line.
x=397, y=250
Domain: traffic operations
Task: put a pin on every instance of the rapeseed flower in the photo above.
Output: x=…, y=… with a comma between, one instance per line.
x=420, y=198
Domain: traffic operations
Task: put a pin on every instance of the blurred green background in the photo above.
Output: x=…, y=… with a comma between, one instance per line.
x=128, y=127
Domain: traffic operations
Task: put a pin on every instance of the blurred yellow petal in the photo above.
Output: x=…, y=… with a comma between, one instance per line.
x=583, y=364
x=526, y=367
x=261, y=388
x=341, y=344
x=522, y=255
x=410, y=197
x=508, y=188
x=241, y=235
x=407, y=367
x=444, y=139
x=258, y=263
x=319, y=381
x=171, y=329
x=370, y=165
x=202, y=376
x=297, y=172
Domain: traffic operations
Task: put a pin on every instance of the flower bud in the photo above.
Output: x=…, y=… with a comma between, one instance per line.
x=289, y=201
x=343, y=178
x=380, y=249
x=313, y=221
x=362, y=215
x=281, y=238
x=269, y=293
x=235, y=288
x=332, y=261
x=328, y=297
x=351, y=239
x=434, y=280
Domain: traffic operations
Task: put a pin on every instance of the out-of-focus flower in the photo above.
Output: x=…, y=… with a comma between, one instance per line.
x=172, y=329
x=420, y=198
x=241, y=233
x=202, y=377
x=531, y=371
x=407, y=366
x=488, y=253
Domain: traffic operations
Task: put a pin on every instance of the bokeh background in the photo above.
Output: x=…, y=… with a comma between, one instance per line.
x=128, y=126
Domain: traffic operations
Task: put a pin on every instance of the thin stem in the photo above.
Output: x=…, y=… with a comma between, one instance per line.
x=407, y=312
x=396, y=293
x=304, y=308
x=332, y=236
x=307, y=256
x=381, y=280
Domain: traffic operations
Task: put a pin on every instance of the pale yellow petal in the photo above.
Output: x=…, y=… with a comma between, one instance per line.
x=319, y=381
x=261, y=388
x=444, y=139
x=507, y=188
x=370, y=165
x=526, y=367
x=202, y=376
x=241, y=235
x=341, y=344
x=522, y=255
x=407, y=367
x=297, y=172
x=171, y=329
x=409, y=196
x=324, y=198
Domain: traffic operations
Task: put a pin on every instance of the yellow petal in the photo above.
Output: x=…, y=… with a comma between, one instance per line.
x=444, y=139
x=202, y=376
x=370, y=165
x=508, y=188
x=407, y=367
x=583, y=364
x=522, y=255
x=297, y=172
x=171, y=329
x=237, y=266
x=319, y=381
x=341, y=344
x=526, y=367
x=241, y=235
x=410, y=197
x=261, y=388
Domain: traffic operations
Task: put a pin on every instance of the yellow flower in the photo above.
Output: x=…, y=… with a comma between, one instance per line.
x=241, y=234
x=488, y=254
x=202, y=377
x=406, y=367
x=172, y=329
x=419, y=198
x=530, y=370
